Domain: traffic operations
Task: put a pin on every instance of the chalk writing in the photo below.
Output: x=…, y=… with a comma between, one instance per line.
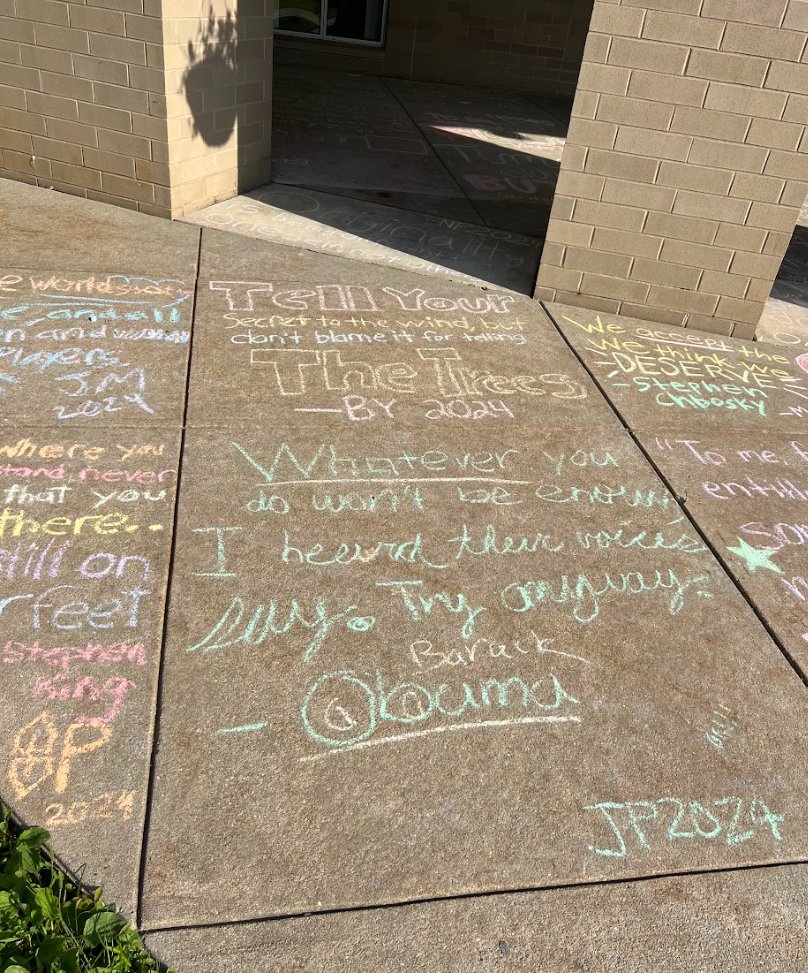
x=343, y=711
x=726, y=818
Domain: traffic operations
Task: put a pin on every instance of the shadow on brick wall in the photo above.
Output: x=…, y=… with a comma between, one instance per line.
x=211, y=77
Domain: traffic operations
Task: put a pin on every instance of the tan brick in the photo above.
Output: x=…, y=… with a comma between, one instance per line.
x=588, y=301
x=693, y=31
x=648, y=55
x=775, y=134
x=689, y=176
x=695, y=230
x=713, y=325
x=58, y=62
x=677, y=298
x=116, y=96
x=710, y=124
x=715, y=282
x=150, y=79
x=747, y=185
x=773, y=217
x=596, y=48
x=634, y=111
x=17, y=141
x=620, y=164
x=670, y=90
x=550, y=276
x=67, y=131
x=759, y=290
x=23, y=162
x=616, y=288
x=12, y=97
x=744, y=331
x=734, y=237
x=585, y=104
x=148, y=29
x=597, y=262
x=602, y=78
x=746, y=311
x=77, y=175
x=584, y=132
x=797, y=15
x=552, y=253
x=788, y=77
x=659, y=315
x=776, y=243
x=61, y=38
x=675, y=6
x=45, y=12
x=124, y=144
x=734, y=68
x=720, y=208
x=18, y=76
x=121, y=165
x=13, y=29
x=618, y=21
x=562, y=208
x=10, y=52
x=53, y=106
x=100, y=69
x=57, y=151
x=579, y=184
x=129, y=188
x=641, y=194
x=106, y=118
x=22, y=121
x=620, y=241
x=66, y=86
x=789, y=165
x=756, y=264
x=769, y=42
x=609, y=215
x=118, y=48
x=109, y=22
x=573, y=234
x=766, y=12
x=794, y=193
x=728, y=155
x=574, y=157
x=745, y=100
x=656, y=272
x=696, y=255
x=544, y=294
x=657, y=145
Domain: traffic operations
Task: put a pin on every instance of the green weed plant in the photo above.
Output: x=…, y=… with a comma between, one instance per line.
x=49, y=924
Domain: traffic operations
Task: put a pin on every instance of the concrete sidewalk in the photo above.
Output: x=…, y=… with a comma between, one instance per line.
x=359, y=620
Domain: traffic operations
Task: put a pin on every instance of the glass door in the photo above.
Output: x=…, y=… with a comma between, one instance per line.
x=360, y=21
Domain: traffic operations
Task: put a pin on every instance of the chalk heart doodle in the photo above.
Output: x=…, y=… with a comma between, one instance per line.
x=802, y=361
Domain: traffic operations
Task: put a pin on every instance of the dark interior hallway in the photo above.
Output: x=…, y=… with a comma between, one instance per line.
x=439, y=178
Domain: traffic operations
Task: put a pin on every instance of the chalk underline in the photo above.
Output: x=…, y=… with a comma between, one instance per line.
x=440, y=729
x=422, y=479
x=247, y=728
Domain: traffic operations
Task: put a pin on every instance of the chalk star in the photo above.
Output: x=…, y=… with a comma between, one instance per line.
x=756, y=557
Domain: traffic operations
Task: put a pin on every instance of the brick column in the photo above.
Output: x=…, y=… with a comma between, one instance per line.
x=686, y=165
x=159, y=105
x=217, y=73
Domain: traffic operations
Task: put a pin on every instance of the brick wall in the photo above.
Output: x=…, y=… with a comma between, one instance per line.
x=158, y=105
x=528, y=45
x=685, y=165
x=76, y=112
x=218, y=98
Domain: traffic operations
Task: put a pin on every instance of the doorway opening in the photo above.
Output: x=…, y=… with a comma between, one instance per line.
x=425, y=135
